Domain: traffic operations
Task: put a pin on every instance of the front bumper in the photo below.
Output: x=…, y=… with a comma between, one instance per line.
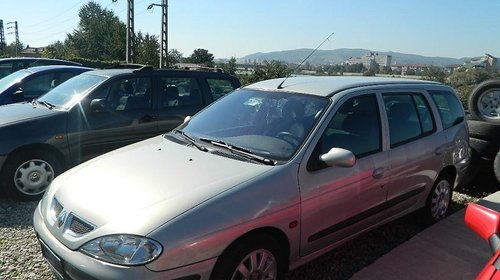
x=69, y=264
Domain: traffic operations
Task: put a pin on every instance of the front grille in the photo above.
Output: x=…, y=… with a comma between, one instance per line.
x=79, y=226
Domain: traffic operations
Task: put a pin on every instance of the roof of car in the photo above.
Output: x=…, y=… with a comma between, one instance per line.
x=37, y=69
x=118, y=71
x=329, y=85
x=34, y=59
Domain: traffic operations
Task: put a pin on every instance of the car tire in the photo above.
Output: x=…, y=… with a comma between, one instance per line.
x=486, y=149
x=27, y=174
x=484, y=102
x=496, y=166
x=261, y=248
x=439, y=200
x=484, y=130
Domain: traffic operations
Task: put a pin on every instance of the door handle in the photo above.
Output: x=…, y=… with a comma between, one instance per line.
x=378, y=173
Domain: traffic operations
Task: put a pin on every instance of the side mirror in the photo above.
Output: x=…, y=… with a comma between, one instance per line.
x=338, y=157
x=96, y=105
x=187, y=119
x=19, y=93
x=485, y=223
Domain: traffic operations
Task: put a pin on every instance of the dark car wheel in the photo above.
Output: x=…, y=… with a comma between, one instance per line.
x=484, y=102
x=27, y=174
x=257, y=257
x=496, y=166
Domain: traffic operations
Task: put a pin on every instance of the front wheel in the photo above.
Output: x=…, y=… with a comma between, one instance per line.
x=27, y=174
x=256, y=258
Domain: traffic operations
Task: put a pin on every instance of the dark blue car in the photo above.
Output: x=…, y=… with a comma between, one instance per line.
x=31, y=83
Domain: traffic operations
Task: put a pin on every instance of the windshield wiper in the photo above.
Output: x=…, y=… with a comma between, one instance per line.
x=239, y=151
x=191, y=140
x=35, y=101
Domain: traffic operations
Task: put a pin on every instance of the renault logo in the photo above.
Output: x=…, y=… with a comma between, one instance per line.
x=61, y=219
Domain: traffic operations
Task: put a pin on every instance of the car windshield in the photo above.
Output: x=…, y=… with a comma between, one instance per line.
x=272, y=125
x=65, y=95
x=7, y=81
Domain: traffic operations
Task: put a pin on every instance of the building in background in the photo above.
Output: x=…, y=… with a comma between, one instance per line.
x=381, y=59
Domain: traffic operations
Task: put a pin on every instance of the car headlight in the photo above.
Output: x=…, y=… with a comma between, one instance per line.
x=123, y=249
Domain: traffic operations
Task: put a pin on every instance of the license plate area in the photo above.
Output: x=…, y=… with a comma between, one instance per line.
x=54, y=261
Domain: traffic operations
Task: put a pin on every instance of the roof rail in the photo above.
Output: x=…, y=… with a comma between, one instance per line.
x=202, y=68
x=127, y=66
x=144, y=68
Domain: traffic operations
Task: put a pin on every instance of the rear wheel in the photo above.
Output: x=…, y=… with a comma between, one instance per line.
x=27, y=174
x=253, y=258
x=438, y=201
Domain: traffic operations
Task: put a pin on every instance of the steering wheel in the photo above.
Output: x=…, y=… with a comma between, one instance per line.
x=289, y=137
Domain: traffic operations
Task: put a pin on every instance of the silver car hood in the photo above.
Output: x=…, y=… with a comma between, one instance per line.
x=137, y=188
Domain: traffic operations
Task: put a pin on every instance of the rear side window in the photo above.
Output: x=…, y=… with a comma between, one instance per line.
x=449, y=107
x=180, y=92
x=409, y=117
x=219, y=87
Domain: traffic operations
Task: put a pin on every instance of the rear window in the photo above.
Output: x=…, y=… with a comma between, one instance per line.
x=450, y=108
x=219, y=87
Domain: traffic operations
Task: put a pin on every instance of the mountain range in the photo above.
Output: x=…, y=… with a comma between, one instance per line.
x=325, y=57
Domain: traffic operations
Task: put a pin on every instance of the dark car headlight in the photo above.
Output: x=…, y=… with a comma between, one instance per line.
x=123, y=249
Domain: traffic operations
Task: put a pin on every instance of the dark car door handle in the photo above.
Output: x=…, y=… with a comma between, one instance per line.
x=378, y=173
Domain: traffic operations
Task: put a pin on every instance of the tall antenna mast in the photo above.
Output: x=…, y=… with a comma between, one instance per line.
x=327, y=38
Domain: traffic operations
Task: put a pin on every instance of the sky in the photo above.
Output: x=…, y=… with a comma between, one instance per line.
x=236, y=28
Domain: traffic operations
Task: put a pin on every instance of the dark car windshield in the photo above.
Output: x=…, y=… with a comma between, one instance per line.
x=9, y=80
x=72, y=91
x=269, y=124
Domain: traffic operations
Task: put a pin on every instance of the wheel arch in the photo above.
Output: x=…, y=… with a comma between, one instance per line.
x=46, y=148
x=272, y=232
x=451, y=171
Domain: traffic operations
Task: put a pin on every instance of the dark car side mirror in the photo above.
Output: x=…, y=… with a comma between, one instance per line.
x=338, y=157
x=19, y=93
x=97, y=105
x=484, y=222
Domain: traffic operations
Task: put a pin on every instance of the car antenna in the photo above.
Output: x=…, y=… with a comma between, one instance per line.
x=280, y=86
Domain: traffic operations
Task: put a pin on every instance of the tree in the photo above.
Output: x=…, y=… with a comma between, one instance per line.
x=147, y=49
x=203, y=57
x=10, y=49
x=174, y=57
x=55, y=50
x=268, y=70
x=100, y=34
x=434, y=73
x=230, y=66
x=464, y=81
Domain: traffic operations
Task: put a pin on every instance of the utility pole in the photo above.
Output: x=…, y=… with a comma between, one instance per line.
x=164, y=32
x=129, y=57
x=130, y=31
x=2, y=39
x=16, y=33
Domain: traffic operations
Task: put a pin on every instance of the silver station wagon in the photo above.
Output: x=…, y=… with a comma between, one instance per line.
x=262, y=181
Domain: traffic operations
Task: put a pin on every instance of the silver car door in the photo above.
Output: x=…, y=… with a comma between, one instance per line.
x=337, y=202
